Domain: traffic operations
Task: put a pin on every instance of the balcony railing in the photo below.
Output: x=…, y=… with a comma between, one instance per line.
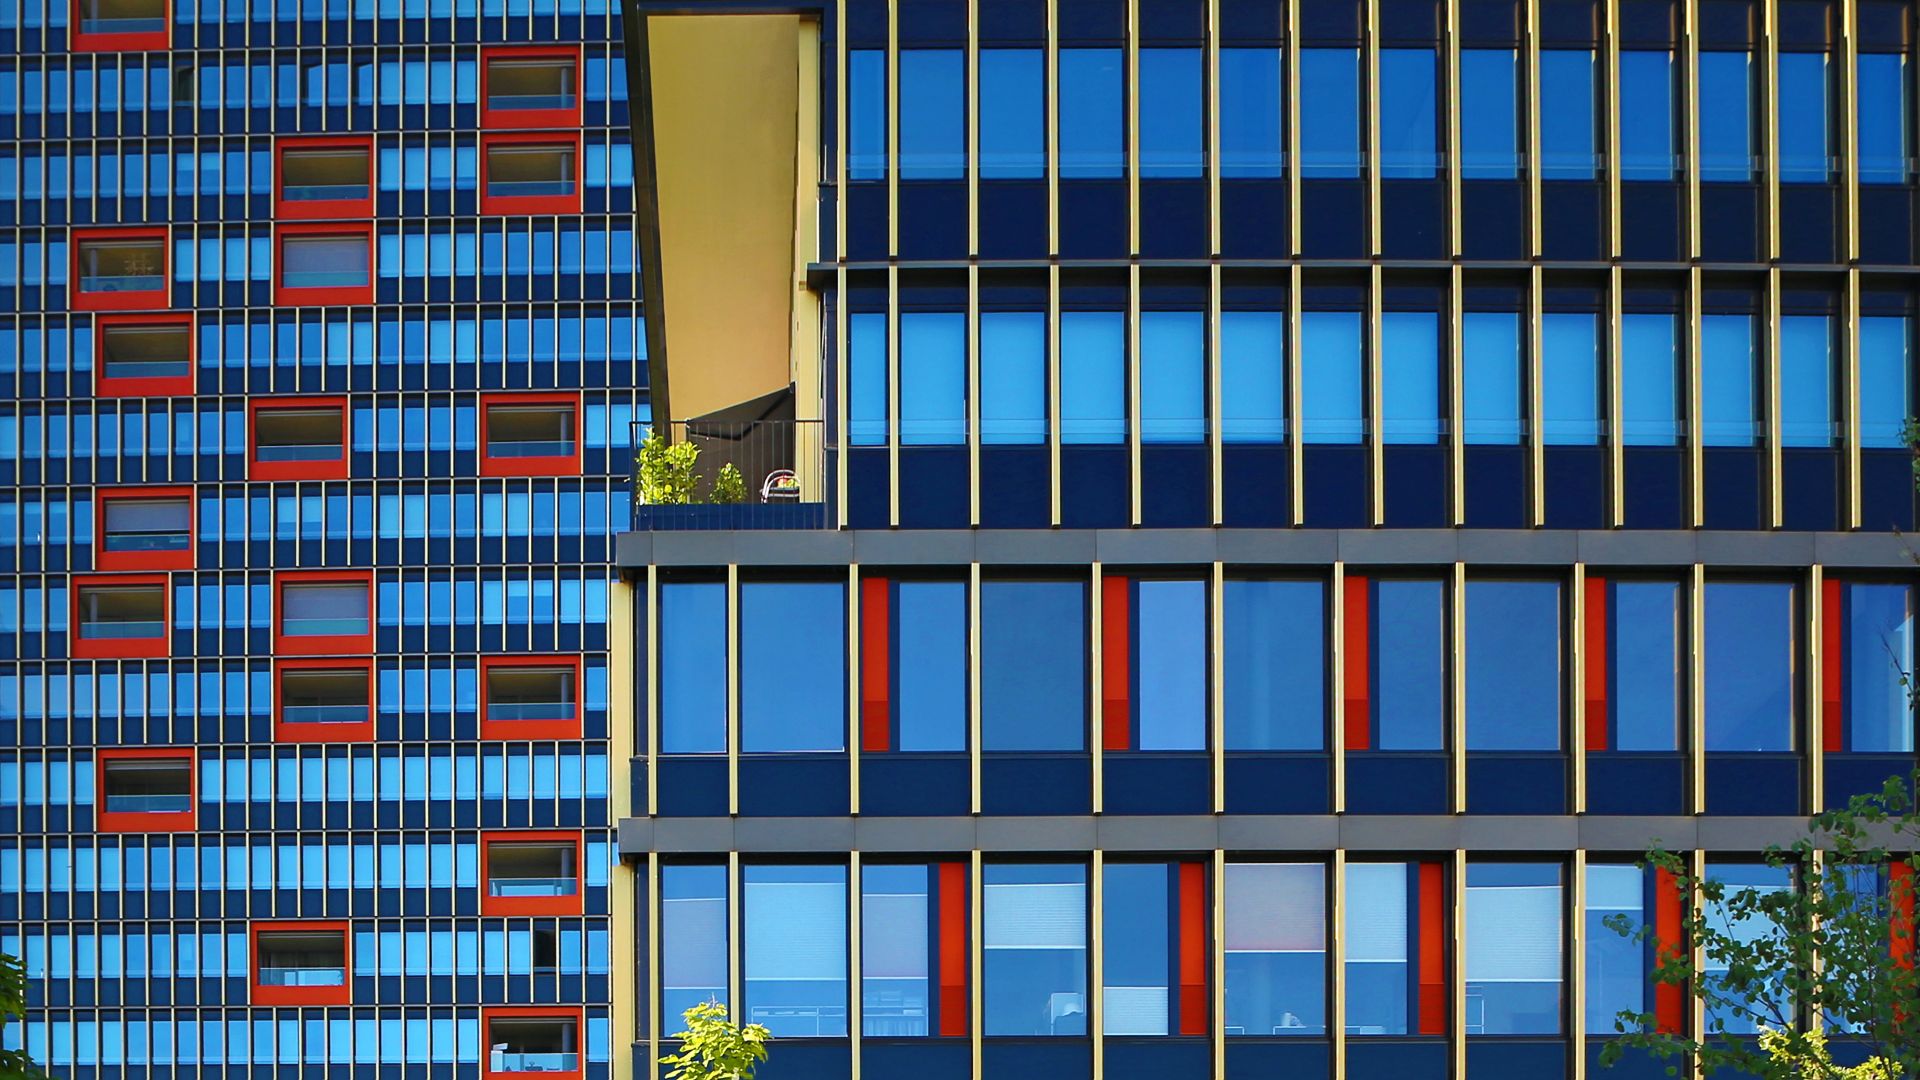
x=302, y=976
x=535, y=1061
x=105, y=283
x=323, y=192
x=782, y=466
x=104, y=629
x=148, y=804
x=531, y=886
x=324, y=714
x=148, y=541
x=529, y=710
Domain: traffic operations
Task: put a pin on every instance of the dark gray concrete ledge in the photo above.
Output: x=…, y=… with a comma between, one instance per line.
x=1366, y=547
x=1197, y=832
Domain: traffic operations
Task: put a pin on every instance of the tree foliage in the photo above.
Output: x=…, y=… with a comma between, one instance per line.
x=713, y=1047
x=666, y=471
x=15, y=1064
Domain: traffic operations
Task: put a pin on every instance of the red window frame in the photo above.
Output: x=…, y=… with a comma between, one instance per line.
x=144, y=300
x=534, y=1012
x=138, y=821
x=159, y=386
x=298, y=731
x=142, y=560
x=321, y=644
x=491, y=118
x=138, y=41
x=556, y=465
x=530, y=729
x=297, y=470
x=299, y=995
x=322, y=209
x=533, y=905
x=81, y=648
x=531, y=204
x=314, y=295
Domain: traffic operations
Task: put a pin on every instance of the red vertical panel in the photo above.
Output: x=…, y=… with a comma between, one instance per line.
x=1116, y=641
x=1901, y=886
x=1357, y=675
x=954, y=1005
x=1833, y=716
x=1193, y=949
x=1669, y=1000
x=876, y=674
x=1595, y=642
x=1433, y=949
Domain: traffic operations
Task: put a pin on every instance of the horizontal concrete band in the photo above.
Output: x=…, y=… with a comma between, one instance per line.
x=1319, y=547
x=1411, y=833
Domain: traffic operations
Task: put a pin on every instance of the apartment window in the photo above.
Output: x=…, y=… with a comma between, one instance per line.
x=1253, y=376
x=1735, y=1014
x=913, y=950
x=1877, y=650
x=1752, y=651
x=1331, y=409
x=1514, y=676
x=1012, y=114
x=1650, y=382
x=301, y=964
x=793, y=686
x=1515, y=941
x=1251, y=112
x=532, y=873
x=323, y=701
x=1492, y=382
x=530, y=88
x=1647, y=114
x=1275, y=664
x=1726, y=116
x=1033, y=665
x=144, y=528
x=120, y=616
x=1570, y=379
x=529, y=697
x=693, y=939
x=1093, y=377
x=1170, y=113
x=1155, y=663
x=1091, y=114
x=324, y=264
x=1013, y=377
x=693, y=646
x=795, y=954
x=1330, y=130
x=866, y=114
x=532, y=1040
x=1568, y=129
x=1407, y=625
x=1806, y=380
x=1805, y=128
x=1155, y=918
x=530, y=174
x=913, y=665
x=933, y=378
x=325, y=178
x=143, y=355
x=1396, y=948
x=1885, y=390
x=1620, y=970
x=119, y=269
x=1881, y=117
x=1646, y=673
x=324, y=611
x=121, y=25
x=1409, y=118
x=1489, y=111
x=145, y=790
x=933, y=126
x=1276, y=949
x=297, y=439
x=1035, y=942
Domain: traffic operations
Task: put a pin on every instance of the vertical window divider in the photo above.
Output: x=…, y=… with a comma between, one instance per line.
x=1578, y=647
x=1849, y=131
x=976, y=947
x=1295, y=448
x=1455, y=216
x=1692, y=367
x=620, y=704
x=842, y=109
x=1133, y=383
x=1457, y=676
x=971, y=97
x=1337, y=959
x=1215, y=480
x=1053, y=221
x=1456, y=396
x=1375, y=428
x=1530, y=47
x=1370, y=152
x=1336, y=688
x=653, y=954
x=1536, y=398
x=652, y=653
x=621, y=880
x=733, y=702
x=1217, y=961
x=1767, y=103
x=1609, y=109
x=1216, y=685
x=736, y=933
x=973, y=393
x=1775, y=511
x=1096, y=700
x=973, y=750
x=855, y=739
x=1850, y=400
x=1053, y=389
x=841, y=351
x=1132, y=115
x=855, y=990
x=1096, y=947
x=1457, y=973
x=1690, y=117
x=1575, y=920
x=893, y=387
x=893, y=170
x=1211, y=106
x=1291, y=73
x=1697, y=693
x=1824, y=653
x=1616, y=428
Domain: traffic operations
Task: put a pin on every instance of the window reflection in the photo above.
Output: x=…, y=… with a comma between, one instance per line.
x=1035, y=942
x=794, y=959
x=1276, y=949
x=1514, y=945
x=1750, y=666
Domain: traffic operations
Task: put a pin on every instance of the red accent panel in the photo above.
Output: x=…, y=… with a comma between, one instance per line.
x=556, y=465
x=143, y=300
x=162, y=386
x=1116, y=647
x=1900, y=882
x=1432, y=1005
x=309, y=295
x=322, y=209
x=142, y=560
x=529, y=118
x=530, y=204
x=1357, y=676
x=1833, y=716
x=299, y=995
x=320, y=644
x=1595, y=642
x=1193, y=949
x=876, y=669
x=297, y=470
x=138, y=41
x=530, y=729
x=138, y=821
x=311, y=732
x=120, y=648
x=532, y=905
x=516, y=1012
x=954, y=1005
x=1669, y=1001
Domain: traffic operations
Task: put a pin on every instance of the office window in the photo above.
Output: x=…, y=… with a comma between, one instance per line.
x=530, y=873
x=1726, y=116
x=1093, y=377
x=1409, y=123
x=867, y=114
x=119, y=269
x=1013, y=377
x=1751, y=658
x=693, y=939
x=1169, y=664
x=1091, y=111
x=1514, y=949
x=530, y=435
x=1647, y=115
x=1253, y=376
x=1729, y=374
x=120, y=616
x=1331, y=408
x=1035, y=943
x=144, y=529
x=1033, y=665
x=1878, y=651
x=324, y=612
x=1377, y=971
x=1881, y=118
x=794, y=959
x=1885, y=389
x=1567, y=127
x=1619, y=969
x=144, y=790
x=1330, y=130
x=1491, y=370
x=1170, y=113
x=793, y=686
x=1646, y=676
x=693, y=647
x=1251, y=108
x=1806, y=380
x=300, y=964
x=1408, y=624
x=867, y=379
x=1154, y=937
x=323, y=701
x=530, y=88
x=538, y=1040
x=297, y=439
x=1489, y=111
x=1275, y=664
x=1173, y=378
x=933, y=124
x=1513, y=661
x=1805, y=118
x=1649, y=377
x=1013, y=133
x=933, y=378
x=1570, y=379
x=529, y=697
x=143, y=355
x=1410, y=376
x=1276, y=949
x=897, y=908
x=1748, y=930
x=530, y=174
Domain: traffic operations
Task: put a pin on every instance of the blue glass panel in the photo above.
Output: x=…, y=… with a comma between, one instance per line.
x=1726, y=116
x=1093, y=377
x=1276, y=949
x=1330, y=407
x=867, y=378
x=1617, y=975
x=1805, y=139
x=1650, y=387
x=933, y=125
x=1884, y=386
x=1567, y=115
x=894, y=950
x=1376, y=948
x=1013, y=377
x=1170, y=664
x=930, y=658
x=1275, y=665
x=1253, y=376
x=1250, y=113
x=1330, y=130
x=1173, y=381
x=1491, y=390
x=1409, y=651
x=1644, y=671
x=1882, y=118
x=1170, y=112
x=1012, y=114
x=1409, y=124
x=1879, y=654
x=1739, y=879
x=1646, y=109
x=1489, y=97
x=1806, y=380
x=793, y=687
x=1033, y=677
x=1750, y=666
x=933, y=378
x=1513, y=665
x=793, y=958
x=693, y=935
x=1515, y=939
x=1410, y=376
x=693, y=646
x=1137, y=949
x=1728, y=375
x=1090, y=114
x=1570, y=379
x=1034, y=933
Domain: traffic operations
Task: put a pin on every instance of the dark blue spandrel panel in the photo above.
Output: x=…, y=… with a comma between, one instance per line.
x=1730, y=486
x=1415, y=483
x=1890, y=208
x=1636, y=783
x=1576, y=487
x=1413, y=219
x=1279, y=783
x=1263, y=1059
x=1493, y=219
x=1013, y=219
x=1570, y=217
x=1022, y=1059
x=1517, y=1058
x=1495, y=487
x=922, y=1059
x=1254, y=483
x=1757, y=784
x=1650, y=215
x=934, y=493
x=1398, y=1059
x=693, y=787
x=1886, y=490
x=1093, y=219
x=1516, y=783
x=1336, y=489
x=1013, y=783
x=1093, y=487
x=1253, y=219
x=1809, y=216
x=1333, y=219
x=915, y=785
x=1173, y=219
x=1848, y=775
x=1016, y=491
x=933, y=220
x=1379, y=783
x=1809, y=489
x=808, y=1059
x=1654, y=487
x=1730, y=222
x=1174, y=489
x=866, y=204
x=793, y=785
x=868, y=501
x=1156, y=783
x=1156, y=1059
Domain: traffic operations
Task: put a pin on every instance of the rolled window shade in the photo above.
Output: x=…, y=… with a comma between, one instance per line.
x=1036, y=916
x=1276, y=907
x=1376, y=913
x=1614, y=888
x=695, y=930
x=1513, y=933
x=340, y=601
x=893, y=935
x=796, y=931
x=143, y=515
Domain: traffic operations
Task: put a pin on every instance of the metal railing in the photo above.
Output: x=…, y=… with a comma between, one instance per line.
x=531, y=886
x=303, y=976
x=782, y=465
x=535, y=1061
x=148, y=804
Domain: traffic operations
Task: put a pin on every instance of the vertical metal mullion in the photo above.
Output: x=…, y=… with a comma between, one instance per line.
x=1456, y=397
x=1536, y=396
x=1816, y=616
x=973, y=128
x=893, y=395
x=1212, y=107
x=1216, y=685
x=1053, y=389
x=893, y=129
x=1576, y=733
x=1692, y=367
x=1132, y=113
x=1774, y=508
x=1690, y=117
x=1531, y=58
x=1053, y=161
x=973, y=393
x=974, y=720
x=1576, y=924
x=733, y=688
x=852, y=702
x=1218, y=962
x=855, y=946
x=1096, y=744
x=1375, y=429
x=653, y=687
x=1610, y=114
x=1850, y=130
x=1616, y=394
x=1850, y=398
x=1457, y=680
x=1133, y=392
x=1457, y=970
x=1770, y=138
x=976, y=951
x=1295, y=439
x=841, y=353
x=1097, y=961
x=653, y=965
x=1292, y=101
x=1697, y=690
x=1216, y=480
x=1370, y=121
x=1337, y=958
x=1337, y=735
x=1451, y=50
x=736, y=936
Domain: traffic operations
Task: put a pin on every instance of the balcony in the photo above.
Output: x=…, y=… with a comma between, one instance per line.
x=324, y=696
x=160, y=786
x=533, y=85
x=122, y=266
x=324, y=610
x=726, y=474
x=325, y=262
x=160, y=351
x=336, y=174
x=301, y=964
x=533, y=1044
x=147, y=526
x=299, y=435
x=121, y=613
x=123, y=16
x=544, y=869
x=534, y=170
x=530, y=693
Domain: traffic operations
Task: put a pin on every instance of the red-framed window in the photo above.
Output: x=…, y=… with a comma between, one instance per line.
x=300, y=963
x=119, y=616
x=303, y=438
x=143, y=355
x=145, y=789
x=143, y=528
x=122, y=25
x=120, y=269
x=543, y=1040
x=530, y=87
x=323, y=262
x=531, y=873
x=530, y=172
x=323, y=612
x=324, y=701
x=530, y=697
x=325, y=177
x=530, y=434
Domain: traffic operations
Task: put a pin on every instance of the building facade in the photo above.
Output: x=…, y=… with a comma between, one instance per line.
x=1270, y=509
x=321, y=341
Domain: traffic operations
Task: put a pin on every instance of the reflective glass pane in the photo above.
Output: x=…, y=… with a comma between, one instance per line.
x=1090, y=114
x=1253, y=376
x=794, y=958
x=1515, y=945
x=1647, y=115
x=1012, y=114
x=1410, y=376
x=693, y=935
x=867, y=379
x=930, y=664
x=1885, y=387
x=1250, y=113
x=1331, y=409
x=1650, y=387
x=1726, y=116
x=1034, y=930
x=895, y=916
x=1806, y=380
x=1566, y=115
x=1377, y=963
x=933, y=378
x=1093, y=377
x=693, y=648
x=1882, y=118
x=1276, y=949
x=1570, y=379
x=933, y=126
x=793, y=687
x=1033, y=676
x=1805, y=138
x=1173, y=378
x=1879, y=655
x=1491, y=392
x=1617, y=973
x=1275, y=665
x=1489, y=125
x=1729, y=373
x=1137, y=948
x=1170, y=113
x=1330, y=130
x=1409, y=651
x=1644, y=664
x=1013, y=377
x=1750, y=666
x=1514, y=675
x=1409, y=125
x=1738, y=878
x=1170, y=664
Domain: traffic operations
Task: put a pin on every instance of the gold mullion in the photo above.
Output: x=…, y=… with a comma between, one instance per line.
x=1376, y=427
x=1133, y=390
x=1053, y=389
x=893, y=395
x=1616, y=394
x=1337, y=958
x=736, y=939
x=1768, y=96
x=1370, y=56
x=1457, y=970
x=1456, y=396
x=1850, y=338
x=1452, y=51
x=1610, y=112
x=1095, y=643
x=1817, y=718
x=976, y=888
x=840, y=109
x=1216, y=685
x=893, y=130
x=1850, y=128
x=1216, y=481
x=1218, y=963
x=1576, y=924
x=854, y=947
x=733, y=688
x=1096, y=1011
x=1772, y=369
x=652, y=886
x=1337, y=735
x=1690, y=118
x=974, y=717
x=653, y=689
x=1292, y=74
x=973, y=129
x=1531, y=53
x=1133, y=128
x=973, y=394
x=1577, y=708
x=853, y=695
x=1213, y=126
x=1457, y=676
x=1053, y=161
x=1697, y=689
x=841, y=352
x=1691, y=367
x=1295, y=441
x=1536, y=397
